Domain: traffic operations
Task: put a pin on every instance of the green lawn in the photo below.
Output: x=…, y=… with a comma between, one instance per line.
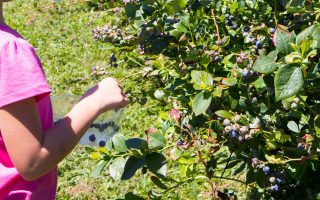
x=62, y=37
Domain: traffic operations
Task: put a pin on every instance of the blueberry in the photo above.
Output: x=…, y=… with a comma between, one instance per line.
x=229, y=23
x=180, y=142
x=231, y=17
x=274, y=187
x=227, y=16
x=279, y=180
x=246, y=29
x=254, y=100
x=113, y=58
x=234, y=134
x=272, y=30
x=300, y=146
x=259, y=44
x=266, y=169
x=102, y=143
x=235, y=26
x=92, y=138
x=245, y=74
x=114, y=65
x=217, y=58
x=240, y=138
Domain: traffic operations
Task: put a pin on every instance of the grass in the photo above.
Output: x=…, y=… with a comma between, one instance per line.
x=62, y=37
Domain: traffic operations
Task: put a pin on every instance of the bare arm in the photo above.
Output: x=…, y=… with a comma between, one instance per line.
x=35, y=153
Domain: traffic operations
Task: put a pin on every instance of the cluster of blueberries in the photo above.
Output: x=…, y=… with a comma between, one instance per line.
x=102, y=127
x=230, y=21
x=112, y=34
x=235, y=131
x=214, y=56
x=275, y=179
x=147, y=36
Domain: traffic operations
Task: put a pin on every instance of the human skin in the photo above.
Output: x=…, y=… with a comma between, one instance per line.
x=37, y=152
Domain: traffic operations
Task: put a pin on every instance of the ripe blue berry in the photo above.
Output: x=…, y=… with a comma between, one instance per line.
x=92, y=138
x=272, y=30
x=300, y=146
x=245, y=74
x=231, y=17
x=217, y=58
x=274, y=187
x=235, y=26
x=266, y=169
x=234, y=134
x=113, y=58
x=259, y=44
x=102, y=143
x=227, y=16
x=229, y=23
x=180, y=142
x=246, y=29
x=279, y=180
x=254, y=100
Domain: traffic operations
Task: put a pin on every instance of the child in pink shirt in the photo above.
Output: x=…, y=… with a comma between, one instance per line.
x=30, y=146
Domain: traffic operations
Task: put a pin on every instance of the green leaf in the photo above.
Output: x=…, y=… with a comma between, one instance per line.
x=100, y=167
x=194, y=189
x=274, y=159
x=156, y=140
x=116, y=168
x=201, y=102
x=156, y=163
x=265, y=64
x=293, y=126
x=136, y=143
x=282, y=42
x=305, y=34
x=229, y=81
x=131, y=166
x=119, y=143
x=273, y=55
x=317, y=124
x=234, y=7
x=295, y=6
x=181, y=27
x=288, y=81
x=131, y=10
x=224, y=114
x=201, y=78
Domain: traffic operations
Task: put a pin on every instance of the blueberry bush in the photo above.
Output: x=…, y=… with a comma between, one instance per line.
x=238, y=83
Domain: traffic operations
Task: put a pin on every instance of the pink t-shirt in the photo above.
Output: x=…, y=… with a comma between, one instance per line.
x=22, y=77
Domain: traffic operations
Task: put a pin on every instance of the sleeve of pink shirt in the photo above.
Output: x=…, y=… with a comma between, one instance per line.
x=21, y=73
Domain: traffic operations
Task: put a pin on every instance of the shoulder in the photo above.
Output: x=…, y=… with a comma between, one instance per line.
x=12, y=40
